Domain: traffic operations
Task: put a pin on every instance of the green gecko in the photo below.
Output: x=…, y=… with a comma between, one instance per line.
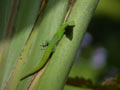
x=51, y=46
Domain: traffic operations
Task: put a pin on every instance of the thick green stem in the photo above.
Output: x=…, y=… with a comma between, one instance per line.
x=60, y=64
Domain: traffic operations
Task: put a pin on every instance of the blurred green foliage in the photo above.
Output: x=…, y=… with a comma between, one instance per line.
x=109, y=8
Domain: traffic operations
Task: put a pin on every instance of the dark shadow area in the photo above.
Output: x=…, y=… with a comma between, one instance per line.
x=69, y=32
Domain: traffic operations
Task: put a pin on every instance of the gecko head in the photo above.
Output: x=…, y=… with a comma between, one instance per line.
x=70, y=23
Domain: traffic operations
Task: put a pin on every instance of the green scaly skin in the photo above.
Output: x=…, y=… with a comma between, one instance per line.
x=56, y=38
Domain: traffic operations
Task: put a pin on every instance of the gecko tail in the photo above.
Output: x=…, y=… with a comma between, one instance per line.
x=35, y=70
x=27, y=75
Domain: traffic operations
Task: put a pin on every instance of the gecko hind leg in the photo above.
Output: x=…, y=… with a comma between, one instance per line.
x=44, y=45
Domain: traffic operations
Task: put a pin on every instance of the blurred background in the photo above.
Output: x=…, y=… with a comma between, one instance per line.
x=98, y=57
